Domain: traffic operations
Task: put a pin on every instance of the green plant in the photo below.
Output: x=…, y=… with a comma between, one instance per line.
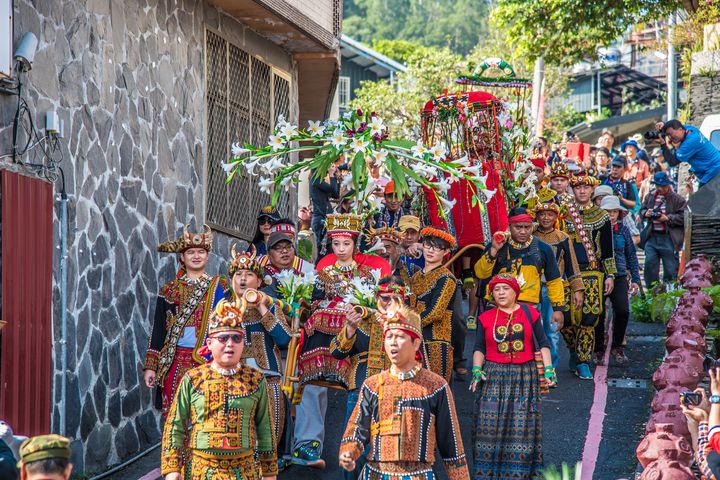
x=640, y=309
x=565, y=472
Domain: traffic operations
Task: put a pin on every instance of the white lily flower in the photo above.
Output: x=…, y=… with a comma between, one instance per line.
x=276, y=142
x=488, y=194
x=379, y=156
x=315, y=129
x=447, y=204
x=376, y=275
x=237, y=150
x=442, y=187
x=288, y=131
x=348, y=115
x=374, y=203
x=438, y=151
x=228, y=167
x=473, y=171
x=463, y=161
x=338, y=140
x=265, y=185
x=376, y=126
x=286, y=182
x=310, y=278
x=419, y=149
x=250, y=166
x=359, y=144
x=347, y=181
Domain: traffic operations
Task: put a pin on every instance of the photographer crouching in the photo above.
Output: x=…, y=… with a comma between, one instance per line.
x=685, y=143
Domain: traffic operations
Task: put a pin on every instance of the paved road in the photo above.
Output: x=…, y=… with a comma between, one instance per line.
x=566, y=413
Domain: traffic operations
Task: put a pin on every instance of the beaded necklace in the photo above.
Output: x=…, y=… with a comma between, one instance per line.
x=507, y=327
x=520, y=246
x=227, y=372
x=405, y=375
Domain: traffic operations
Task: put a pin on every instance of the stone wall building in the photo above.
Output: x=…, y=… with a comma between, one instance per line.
x=151, y=93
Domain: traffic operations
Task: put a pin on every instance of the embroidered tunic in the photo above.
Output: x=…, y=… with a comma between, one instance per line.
x=597, y=237
x=218, y=424
x=299, y=267
x=315, y=363
x=181, y=315
x=531, y=262
x=559, y=241
x=403, y=421
x=431, y=296
x=365, y=350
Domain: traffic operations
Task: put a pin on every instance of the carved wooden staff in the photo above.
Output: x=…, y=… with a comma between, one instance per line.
x=461, y=251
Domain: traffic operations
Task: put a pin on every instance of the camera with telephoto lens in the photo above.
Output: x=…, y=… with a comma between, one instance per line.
x=690, y=398
x=709, y=363
x=652, y=135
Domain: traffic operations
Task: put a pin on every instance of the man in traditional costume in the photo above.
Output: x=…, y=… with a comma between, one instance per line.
x=219, y=425
x=433, y=289
x=282, y=255
x=527, y=258
x=546, y=214
x=388, y=239
x=265, y=329
x=361, y=340
x=403, y=414
x=181, y=314
x=591, y=233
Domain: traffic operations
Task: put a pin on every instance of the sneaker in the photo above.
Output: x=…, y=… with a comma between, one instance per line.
x=308, y=454
x=283, y=463
x=583, y=371
x=573, y=361
x=471, y=321
x=618, y=355
x=599, y=358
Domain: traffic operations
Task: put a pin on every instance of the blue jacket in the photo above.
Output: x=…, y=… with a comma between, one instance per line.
x=625, y=254
x=703, y=157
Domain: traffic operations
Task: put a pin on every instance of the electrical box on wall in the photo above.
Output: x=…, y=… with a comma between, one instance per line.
x=6, y=38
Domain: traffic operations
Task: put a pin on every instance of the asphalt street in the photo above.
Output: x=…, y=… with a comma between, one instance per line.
x=566, y=411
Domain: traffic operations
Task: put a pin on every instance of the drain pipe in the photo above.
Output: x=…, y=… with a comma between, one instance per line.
x=63, y=309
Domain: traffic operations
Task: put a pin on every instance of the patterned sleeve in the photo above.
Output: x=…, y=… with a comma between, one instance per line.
x=173, y=438
x=267, y=455
x=443, y=291
x=275, y=323
x=449, y=441
x=484, y=267
x=157, y=336
x=607, y=248
x=357, y=432
x=700, y=457
x=341, y=346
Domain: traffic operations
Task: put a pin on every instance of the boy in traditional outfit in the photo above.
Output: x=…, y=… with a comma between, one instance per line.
x=183, y=307
x=218, y=425
x=403, y=413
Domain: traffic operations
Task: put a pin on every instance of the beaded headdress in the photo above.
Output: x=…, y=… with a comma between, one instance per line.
x=344, y=225
x=559, y=169
x=245, y=261
x=189, y=240
x=226, y=316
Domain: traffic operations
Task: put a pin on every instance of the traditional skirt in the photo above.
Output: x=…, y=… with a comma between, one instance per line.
x=507, y=432
x=203, y=466
x=397, y=471
x=183, y=362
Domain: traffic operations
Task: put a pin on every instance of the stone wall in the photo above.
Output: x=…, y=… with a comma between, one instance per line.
x=127, y=77
x=704, y=86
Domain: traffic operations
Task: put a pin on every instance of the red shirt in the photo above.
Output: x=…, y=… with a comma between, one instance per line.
x=509, y=341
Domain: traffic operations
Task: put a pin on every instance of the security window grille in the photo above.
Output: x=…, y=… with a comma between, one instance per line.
x=243, y=100
x=344, y=92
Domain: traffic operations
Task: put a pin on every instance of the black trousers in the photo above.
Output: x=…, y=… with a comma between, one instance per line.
x=621, y=314
x=458, y=331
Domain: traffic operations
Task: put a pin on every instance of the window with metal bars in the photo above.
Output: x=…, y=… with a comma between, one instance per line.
x=243, y=99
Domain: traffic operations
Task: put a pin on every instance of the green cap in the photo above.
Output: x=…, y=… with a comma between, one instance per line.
x=45, y=447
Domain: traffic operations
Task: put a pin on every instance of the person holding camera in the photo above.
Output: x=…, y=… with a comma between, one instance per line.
x=696, y=408
x=664, y=210
x=685, y=143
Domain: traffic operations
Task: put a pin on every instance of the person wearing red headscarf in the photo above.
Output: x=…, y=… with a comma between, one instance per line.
x=507, y=413
x=527, y=258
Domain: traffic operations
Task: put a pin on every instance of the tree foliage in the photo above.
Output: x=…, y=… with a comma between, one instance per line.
x=456, y=24
x=567, y=31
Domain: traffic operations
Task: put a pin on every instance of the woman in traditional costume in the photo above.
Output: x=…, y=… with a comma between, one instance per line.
x=507, y=431
x=433, y=289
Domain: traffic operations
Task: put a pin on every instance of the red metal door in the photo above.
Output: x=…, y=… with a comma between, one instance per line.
x=26, y=262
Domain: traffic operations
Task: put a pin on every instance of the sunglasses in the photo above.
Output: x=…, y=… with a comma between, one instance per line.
x=265, y=221
x=225, y=338
x=385, y=298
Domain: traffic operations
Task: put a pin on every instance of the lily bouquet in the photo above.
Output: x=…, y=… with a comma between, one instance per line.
x=295, y=288
x=362, y=140
x=362, y=290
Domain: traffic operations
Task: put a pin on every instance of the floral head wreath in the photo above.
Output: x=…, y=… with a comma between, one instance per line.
x=438, y=233
x=390, y=289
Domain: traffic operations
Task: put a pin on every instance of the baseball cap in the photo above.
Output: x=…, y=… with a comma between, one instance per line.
x=409, y=221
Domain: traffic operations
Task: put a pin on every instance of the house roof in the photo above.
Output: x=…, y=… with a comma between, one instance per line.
x=620, y=125
x=366, y=57
x=642, y=88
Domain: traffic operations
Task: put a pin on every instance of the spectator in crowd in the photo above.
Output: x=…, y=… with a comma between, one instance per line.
x=714, y=422
x=685, y=143
x=8, y=470
x=666, y=210
x=637, y=168
x=45, y=457
x=265, y=219
x=607, y=140
x=627, y=265
x=306, y=243
x=539, y=169
x=603, y=191
x=389, y=215
x=412, y=249
x=544, y=149
x=321, y=191
x=602, y=161
x=622, y=188
x=697, y=422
